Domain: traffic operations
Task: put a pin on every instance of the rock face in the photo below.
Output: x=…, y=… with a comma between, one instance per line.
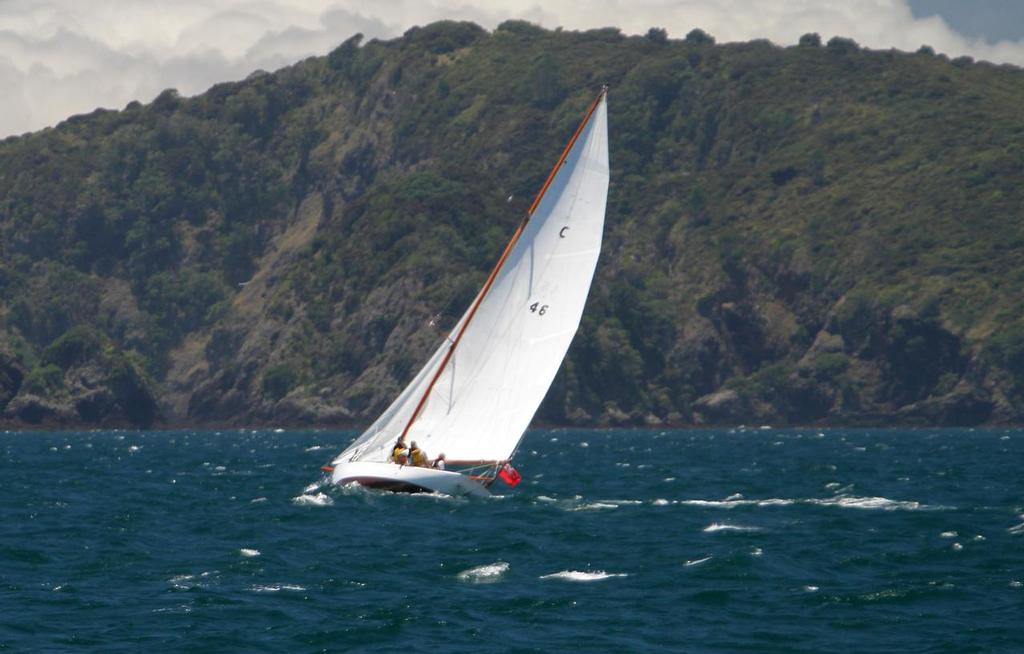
x=83, y=381
x=11, y=375
x=721, y=407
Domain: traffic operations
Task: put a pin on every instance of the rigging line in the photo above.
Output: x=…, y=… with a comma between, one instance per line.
x=504, y=255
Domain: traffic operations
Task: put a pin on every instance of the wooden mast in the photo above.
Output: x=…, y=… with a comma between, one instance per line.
x=501, y=261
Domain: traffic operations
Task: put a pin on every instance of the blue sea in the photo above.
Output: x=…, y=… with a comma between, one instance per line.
x=743, y=540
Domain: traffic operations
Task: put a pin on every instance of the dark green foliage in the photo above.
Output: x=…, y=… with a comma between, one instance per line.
x=77, y=345
x=43, y=380
x=699, y=37
x=182, y=301
x=831, y=365
x=1006, y=350
x=810, y=40
x=841, y=45
x=278, y=380
x=657, y=35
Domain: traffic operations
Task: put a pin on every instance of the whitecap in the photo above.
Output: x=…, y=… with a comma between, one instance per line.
x=882, y=503
x=185, y=582
x=319, y=499
x=731, y=503
x=274, y=588
x=594, y=506
x=811, y=589
x=948, y=534
x=757, y=551
x=580, y=575
x=257, y=500
x=1015, y=584
x=717, y=526
x=697, y=561
x=311, y=488
x=484, y=574
x=734, y=496
x=134, y=448
x=245, y=551
x=278, y=431
x=314, y=448
x=661, y=501
x=957, y=547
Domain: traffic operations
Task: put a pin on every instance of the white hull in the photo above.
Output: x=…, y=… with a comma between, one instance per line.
x=410, y=479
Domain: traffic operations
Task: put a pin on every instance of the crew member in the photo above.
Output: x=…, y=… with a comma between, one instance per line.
x=439, y=461
x=400, y=453
x=417, y=456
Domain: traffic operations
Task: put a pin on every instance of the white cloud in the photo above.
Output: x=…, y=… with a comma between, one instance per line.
x=61, y=57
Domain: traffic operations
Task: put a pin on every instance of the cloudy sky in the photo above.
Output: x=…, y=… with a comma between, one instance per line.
x=62, y=57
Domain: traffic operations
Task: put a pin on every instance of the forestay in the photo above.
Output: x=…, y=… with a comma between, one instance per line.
x=478, y=406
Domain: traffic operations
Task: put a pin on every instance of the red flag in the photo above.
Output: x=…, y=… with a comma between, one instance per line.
x=509, y=475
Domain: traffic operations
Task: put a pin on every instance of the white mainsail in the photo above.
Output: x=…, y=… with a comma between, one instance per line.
x=480, y=389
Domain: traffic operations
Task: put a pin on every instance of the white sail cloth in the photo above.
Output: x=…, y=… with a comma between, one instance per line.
x=509, y=353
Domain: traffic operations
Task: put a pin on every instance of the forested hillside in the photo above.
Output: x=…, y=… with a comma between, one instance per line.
x=810, y=234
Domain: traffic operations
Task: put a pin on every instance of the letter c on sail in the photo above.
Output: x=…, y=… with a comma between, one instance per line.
x=561, y=232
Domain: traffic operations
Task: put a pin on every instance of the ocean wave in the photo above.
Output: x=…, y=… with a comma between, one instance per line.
x=275, y=588
x=320, y=499
x=732, y=503
x=484, y=574
x=842, y=501
x=694, y=562
x=185, y=582
x=718, y=526
x=246, y=551
x=594, y=506
x=882, y=503
x=580, y=575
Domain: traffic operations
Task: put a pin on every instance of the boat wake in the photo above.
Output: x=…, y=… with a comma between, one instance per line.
x=318, y=499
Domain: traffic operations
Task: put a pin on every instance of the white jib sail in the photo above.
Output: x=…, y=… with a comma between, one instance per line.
x=513, y=346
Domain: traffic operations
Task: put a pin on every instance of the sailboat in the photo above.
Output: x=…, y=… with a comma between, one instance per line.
x=478, y=392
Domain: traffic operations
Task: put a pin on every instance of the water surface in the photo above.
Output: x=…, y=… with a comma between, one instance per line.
x=756, y=540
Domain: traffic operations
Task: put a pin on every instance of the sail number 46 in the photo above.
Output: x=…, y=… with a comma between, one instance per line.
x=538, y=308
